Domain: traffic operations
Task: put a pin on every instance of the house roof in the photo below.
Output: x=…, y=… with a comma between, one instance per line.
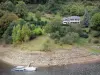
x=72, y=17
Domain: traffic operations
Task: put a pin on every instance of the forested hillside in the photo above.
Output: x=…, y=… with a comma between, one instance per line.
x=24, y=20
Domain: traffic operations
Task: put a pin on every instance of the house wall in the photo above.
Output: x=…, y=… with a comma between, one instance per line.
x=71, y=21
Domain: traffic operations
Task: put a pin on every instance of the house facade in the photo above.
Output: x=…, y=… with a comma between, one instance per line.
x=71, y=20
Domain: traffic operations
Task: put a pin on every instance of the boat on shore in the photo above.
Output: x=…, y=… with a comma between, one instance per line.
x=23, y=68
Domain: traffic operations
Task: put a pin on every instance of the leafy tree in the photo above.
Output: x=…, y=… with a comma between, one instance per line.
x=77, y=9
x=21, y=9
x=5, y=21
x=8, y=5
x=63, y=34
x=95, y=28
x=2, y=13
x=96, y=22
x=16, y=34
x=38, y=15
x=21, y=34
x=70, y=38
x=25, y=33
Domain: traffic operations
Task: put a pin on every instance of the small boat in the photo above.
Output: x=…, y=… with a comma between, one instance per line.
x=30, y=68
x=22, y=68
x=18, y=68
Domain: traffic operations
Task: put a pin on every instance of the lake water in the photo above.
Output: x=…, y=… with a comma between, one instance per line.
x=74, y=69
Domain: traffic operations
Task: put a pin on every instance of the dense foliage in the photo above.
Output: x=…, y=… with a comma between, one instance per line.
x=24, y=20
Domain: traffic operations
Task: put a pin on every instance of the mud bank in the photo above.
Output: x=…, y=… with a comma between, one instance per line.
x=42, y=59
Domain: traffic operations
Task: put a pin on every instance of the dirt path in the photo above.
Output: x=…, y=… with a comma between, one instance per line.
x=37, y=58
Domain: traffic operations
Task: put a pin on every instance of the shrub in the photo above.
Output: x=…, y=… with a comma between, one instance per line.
x=5, y=20
x=77, y=9
x=38, y=15
x=29, y=17
x=96, y=22
x=86, y=20
x=37, y=31
x=16, y=34
x=21, y=9
x=84, y=35
x=41, y=8
x=95, y=33
x=8, y=5
x=70, y=38
x=53, y=26
x=95, y=40
x=76, y=28
x=46, y=46
x=95, y=28
x=55, y=35
x=25, y=33
x=1, y=13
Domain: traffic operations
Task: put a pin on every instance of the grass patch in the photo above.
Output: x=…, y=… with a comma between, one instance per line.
x=95, y=50
x=41, y=44
x=82, y=41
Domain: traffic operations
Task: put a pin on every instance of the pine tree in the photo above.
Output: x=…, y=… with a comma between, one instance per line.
x=86, y=19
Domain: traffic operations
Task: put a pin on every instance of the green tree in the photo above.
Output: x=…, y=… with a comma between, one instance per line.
x=16, y=34
x=8, y=5
x=86, y=19
x=5, y=20
x=95, y=28
x=25, y=33
x=38, y=15
x=96, y=22
x=21, y=9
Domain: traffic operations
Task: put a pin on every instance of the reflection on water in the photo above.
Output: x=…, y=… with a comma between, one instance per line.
x=4, y=65
x=74, y=69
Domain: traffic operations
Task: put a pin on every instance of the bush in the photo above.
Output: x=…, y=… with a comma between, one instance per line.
x=7, y=5
x=25, y=33
x=77, y=9
x=96, y=21
x=5, y=20
x=38, y=15
x=1, y=13
x=21, y=9
x=76, y=28
x=95, y=40
x=38, y=31
x=86, y=20
x=16, y=34
x=84, y=35
x=53, y=26
x=55, y=35
x=41, y=8
x=95, y=33
x=70, y=38
x=46, y=46
x=95, y=28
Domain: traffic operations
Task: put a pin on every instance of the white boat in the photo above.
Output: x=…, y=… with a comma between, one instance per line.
x=30, y=68
x=22, y=68
x=18, y=68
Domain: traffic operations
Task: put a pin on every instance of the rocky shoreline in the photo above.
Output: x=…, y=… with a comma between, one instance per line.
x=42, y=59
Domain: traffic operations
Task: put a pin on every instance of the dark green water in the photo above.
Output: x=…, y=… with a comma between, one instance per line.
x=74, y=69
